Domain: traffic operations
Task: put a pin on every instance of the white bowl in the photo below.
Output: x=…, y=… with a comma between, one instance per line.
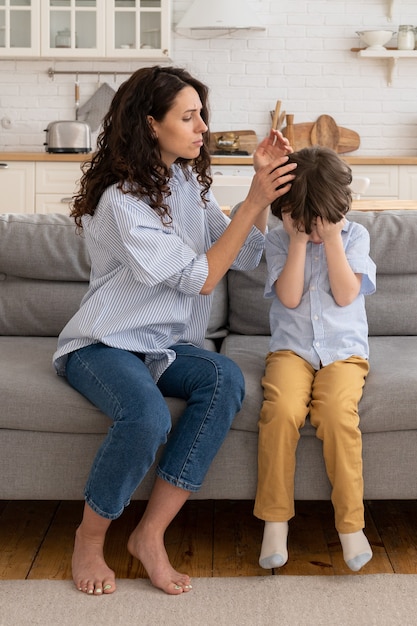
x=375, y=38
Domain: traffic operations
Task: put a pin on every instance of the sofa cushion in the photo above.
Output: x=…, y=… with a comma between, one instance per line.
x=393, y=236
x=44, y=273
x=248, y=309
x=44, y=269
x=37, y=307
x=389, y=401
x=42, y=247
x=49, y=403
x=390, y=397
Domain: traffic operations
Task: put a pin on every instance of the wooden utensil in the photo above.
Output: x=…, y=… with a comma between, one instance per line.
x=349, y=140
x=290, y=130
x=325, y=132
x=276, y=115
x=280, y=120
x=300, y=134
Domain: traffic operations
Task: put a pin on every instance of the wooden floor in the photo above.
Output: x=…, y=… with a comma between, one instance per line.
x=208, y=538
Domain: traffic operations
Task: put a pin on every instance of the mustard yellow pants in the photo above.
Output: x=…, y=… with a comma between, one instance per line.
x=292, y=390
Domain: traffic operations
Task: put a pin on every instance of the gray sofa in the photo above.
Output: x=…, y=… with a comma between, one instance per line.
x=49, y=433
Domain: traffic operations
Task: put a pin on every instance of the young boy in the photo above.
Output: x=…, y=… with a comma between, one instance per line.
x=319, y=271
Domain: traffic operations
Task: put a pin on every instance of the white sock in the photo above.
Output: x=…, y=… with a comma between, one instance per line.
x=356, y=549
x=274, y=551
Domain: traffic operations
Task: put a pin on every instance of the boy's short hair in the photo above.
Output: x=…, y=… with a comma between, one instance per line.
x=321, y=188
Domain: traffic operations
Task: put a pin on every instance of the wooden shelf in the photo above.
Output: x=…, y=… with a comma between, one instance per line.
x=383, y=205
x=391, y=54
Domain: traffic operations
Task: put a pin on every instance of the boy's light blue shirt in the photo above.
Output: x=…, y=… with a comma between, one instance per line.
x=319, y=330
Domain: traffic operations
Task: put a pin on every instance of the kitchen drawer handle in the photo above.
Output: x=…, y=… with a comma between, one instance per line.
x=4, y=166
x=66, y=200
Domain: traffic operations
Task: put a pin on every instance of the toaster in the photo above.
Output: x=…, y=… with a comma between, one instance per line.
x=68, y=137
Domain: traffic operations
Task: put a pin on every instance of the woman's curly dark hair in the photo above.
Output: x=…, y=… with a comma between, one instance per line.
x=128, y=152
x=321, y=188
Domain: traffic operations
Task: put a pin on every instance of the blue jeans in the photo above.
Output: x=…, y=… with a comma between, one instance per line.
x=119, y=383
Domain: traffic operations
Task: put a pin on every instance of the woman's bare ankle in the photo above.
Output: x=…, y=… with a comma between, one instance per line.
x=90, y=571
x=150, y=550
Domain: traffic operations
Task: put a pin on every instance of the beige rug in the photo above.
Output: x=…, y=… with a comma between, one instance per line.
x=380, y=600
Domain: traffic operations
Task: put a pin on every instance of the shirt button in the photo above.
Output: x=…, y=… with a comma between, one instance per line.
x=317, y=344
x=312, y=288
x=316, y=317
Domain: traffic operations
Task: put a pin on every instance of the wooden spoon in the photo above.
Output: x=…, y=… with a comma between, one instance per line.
x=281, y=120
x=276, y=115
x=325, y=132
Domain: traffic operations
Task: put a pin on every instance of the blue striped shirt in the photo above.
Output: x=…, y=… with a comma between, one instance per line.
x=146, y=277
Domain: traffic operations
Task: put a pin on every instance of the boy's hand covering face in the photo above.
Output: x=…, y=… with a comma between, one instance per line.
x=292, y=229
x=328, y=230
x=322, y=230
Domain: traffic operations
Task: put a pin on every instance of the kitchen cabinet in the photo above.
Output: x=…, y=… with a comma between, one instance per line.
x=389, y=181
x=230, y=190
x=20, y=29
x=139, y=28
x=233, y=170
x=45, y=183
x=55, y=184
x=17, y=184
x=384, y=180
x=396, y=181
x=106, y=28
x=407, y=183
x=73, y=28
x=84, y=29
x=37, y=187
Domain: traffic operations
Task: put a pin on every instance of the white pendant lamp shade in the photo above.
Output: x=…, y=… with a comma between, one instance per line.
x=219, y=15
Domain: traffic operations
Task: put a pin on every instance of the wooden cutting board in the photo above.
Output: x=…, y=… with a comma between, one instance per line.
x=323, y=132
x=247, y=140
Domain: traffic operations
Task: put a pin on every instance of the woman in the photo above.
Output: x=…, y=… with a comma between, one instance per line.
x=159, y=244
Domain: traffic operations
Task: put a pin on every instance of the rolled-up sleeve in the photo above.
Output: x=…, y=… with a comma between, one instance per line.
x=250, y=254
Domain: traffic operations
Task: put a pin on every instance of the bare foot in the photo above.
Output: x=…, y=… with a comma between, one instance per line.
x=153, y=556
x=90, y=572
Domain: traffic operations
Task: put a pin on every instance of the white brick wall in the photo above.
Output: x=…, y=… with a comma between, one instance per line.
x=302, y=58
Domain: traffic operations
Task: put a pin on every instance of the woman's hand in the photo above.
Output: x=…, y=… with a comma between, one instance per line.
x=271, y=148
x=270, y=182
